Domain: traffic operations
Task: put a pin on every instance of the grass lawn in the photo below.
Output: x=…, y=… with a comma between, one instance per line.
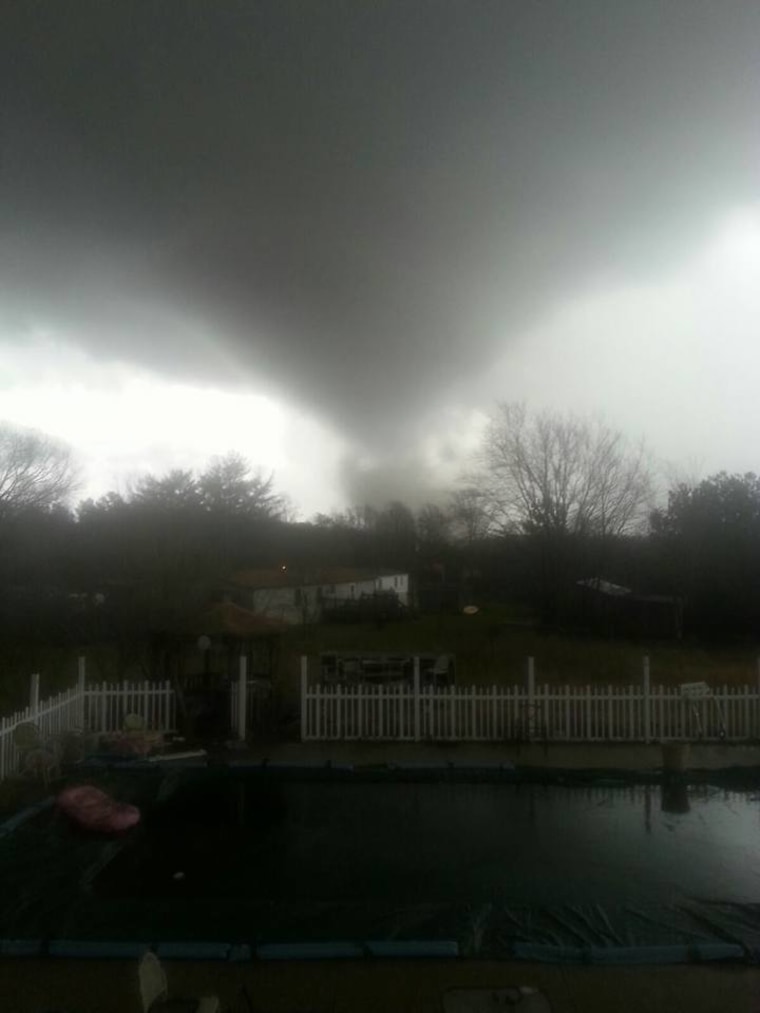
x=489, y=649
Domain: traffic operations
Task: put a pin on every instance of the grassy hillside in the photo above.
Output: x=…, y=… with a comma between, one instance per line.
x=492, y=649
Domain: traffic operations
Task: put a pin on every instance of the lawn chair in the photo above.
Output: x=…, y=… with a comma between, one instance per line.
x=442, y=671
x=39, y=758
x=154, y=991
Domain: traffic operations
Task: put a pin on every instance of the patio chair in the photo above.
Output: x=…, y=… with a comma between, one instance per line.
x=154, y=991
x=39, y=757
x=441, y=672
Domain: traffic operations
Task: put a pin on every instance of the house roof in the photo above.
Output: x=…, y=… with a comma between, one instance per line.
x=604, y=587
x=227, y=619
x=300, y=576
x=657, y=599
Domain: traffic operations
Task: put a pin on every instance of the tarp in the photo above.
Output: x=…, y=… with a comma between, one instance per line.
x=51, y=903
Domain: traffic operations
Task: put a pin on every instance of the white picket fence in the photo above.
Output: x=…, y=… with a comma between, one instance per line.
x=58, y=714
x=105, y=706
x=87, y=707
x=543, y=713
x=101, y=708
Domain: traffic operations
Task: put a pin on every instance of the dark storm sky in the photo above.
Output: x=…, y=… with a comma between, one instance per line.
x=355, y=203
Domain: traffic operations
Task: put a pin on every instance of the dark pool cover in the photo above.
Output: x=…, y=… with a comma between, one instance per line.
x=58, y=884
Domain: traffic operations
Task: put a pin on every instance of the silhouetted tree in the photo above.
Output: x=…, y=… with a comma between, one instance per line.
x=708, y=541
x=433, y=527
x=177, y=490
x=469, y=520
x=106, y=504
x=380, y=537
x=230, y=487
x=570, y=484
x=396, y=533
x=562, y=474
x=354, y=518
x=36, y=471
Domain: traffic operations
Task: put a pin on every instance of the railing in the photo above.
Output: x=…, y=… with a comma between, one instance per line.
x=106, y=705
x=546, y=713
x=53, y=717
x=102, y=708
x=87, y=708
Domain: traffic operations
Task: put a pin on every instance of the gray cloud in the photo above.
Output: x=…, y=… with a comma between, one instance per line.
x=409, y=478
x=358, y=204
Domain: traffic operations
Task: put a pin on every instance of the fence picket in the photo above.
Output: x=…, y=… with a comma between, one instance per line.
x=476, y=713
x=97, y=708
x=565, y=713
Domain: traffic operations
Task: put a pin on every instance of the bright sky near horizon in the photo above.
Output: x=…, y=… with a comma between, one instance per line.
x=332, y=238
x=691, y=397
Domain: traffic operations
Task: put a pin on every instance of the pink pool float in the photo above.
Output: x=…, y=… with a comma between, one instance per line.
x=93, y=809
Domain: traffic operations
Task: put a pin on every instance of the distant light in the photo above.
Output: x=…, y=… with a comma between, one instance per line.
x=470, y=610
x=283, y=567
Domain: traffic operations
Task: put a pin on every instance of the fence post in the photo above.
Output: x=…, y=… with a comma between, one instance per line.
x=304, y=688
x=647, y=724
x=531, y=696
x=242, y=697
x=416, y=698
x=34, y=694
x=81, y=681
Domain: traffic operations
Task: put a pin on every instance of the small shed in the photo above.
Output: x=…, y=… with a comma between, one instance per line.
x=619, y=611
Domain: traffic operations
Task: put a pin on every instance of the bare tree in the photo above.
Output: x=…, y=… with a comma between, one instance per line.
x=570, y=484
x=36, y=471
x=433, y=526
x=354, y=518
x=561, y=474
x=468, y=513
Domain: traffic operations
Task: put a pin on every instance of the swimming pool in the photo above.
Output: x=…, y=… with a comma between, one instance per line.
x=498, y=866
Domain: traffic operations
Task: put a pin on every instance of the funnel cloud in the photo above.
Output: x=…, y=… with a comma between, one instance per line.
x=357, y=207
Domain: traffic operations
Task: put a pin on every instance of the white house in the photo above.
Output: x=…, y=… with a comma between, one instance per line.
x=299, y=595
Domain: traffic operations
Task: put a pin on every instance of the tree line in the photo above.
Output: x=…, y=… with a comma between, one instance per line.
x=548, y=500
